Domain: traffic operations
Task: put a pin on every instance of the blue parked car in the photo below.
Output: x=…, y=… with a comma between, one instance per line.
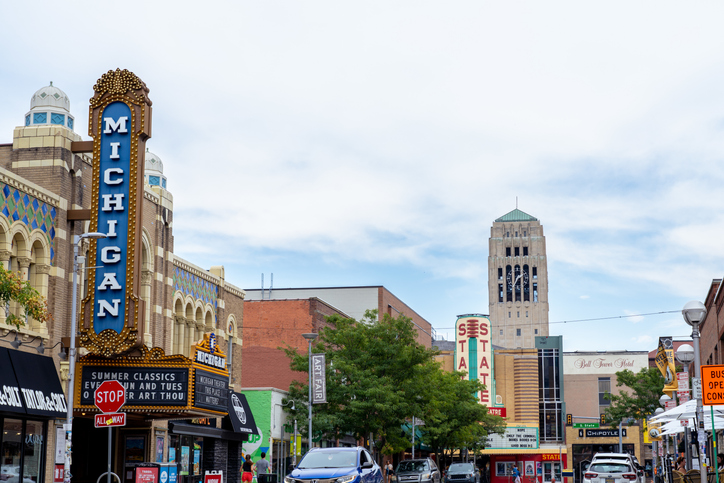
x=336, y=465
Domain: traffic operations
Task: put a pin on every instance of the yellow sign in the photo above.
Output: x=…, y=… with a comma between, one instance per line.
x=665, y=363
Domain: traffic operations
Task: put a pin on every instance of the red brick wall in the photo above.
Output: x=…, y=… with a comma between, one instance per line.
x=266, y=367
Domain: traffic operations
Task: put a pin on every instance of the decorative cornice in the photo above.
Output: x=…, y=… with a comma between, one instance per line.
x=198, y=271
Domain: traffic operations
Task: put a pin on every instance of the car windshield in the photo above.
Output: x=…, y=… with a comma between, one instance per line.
x=460, y=468
x=609, y=468
x=412, y=467
x=329, y=459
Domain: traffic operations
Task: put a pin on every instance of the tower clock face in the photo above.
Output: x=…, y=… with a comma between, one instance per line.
x=510, y=278
x=525, y=282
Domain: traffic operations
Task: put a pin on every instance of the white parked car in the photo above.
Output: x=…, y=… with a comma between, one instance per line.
x=610, y=471
x=624, y=457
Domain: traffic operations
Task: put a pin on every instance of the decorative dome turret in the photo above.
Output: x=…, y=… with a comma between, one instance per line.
x=49, y=106
x=154, y=170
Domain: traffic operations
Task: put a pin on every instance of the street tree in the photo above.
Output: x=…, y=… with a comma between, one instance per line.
x=646, y=387
x=378, y=377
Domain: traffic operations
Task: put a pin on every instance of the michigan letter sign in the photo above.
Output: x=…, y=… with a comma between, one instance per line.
x=120, y=123
x=712, y=385
x=474, y=352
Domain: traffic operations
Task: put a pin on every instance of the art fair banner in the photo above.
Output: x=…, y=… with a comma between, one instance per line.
x=319, y=379
x=667, y=366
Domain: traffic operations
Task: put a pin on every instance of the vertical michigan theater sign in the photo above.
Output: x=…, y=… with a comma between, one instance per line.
x=120, y=124
x=474, y=352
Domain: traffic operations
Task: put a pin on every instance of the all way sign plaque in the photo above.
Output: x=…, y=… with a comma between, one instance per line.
x=108, y=420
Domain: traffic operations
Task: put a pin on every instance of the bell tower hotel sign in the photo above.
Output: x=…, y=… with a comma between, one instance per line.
x=603, y=362
x=120, y=124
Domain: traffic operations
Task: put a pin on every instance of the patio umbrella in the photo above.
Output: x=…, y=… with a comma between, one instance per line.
x=685, y=411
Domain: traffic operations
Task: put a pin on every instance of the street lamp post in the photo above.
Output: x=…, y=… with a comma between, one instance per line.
x=310, y=337
x=694, y=314
x=685, y=355
x=77, y=261
x=658, y=465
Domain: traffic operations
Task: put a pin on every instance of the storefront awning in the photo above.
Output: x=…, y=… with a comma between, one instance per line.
x=205, y=431
x=29, y=385
x=240, y=414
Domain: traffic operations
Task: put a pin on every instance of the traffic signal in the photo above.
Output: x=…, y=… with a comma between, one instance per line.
x=603, y=419
x=569, y=419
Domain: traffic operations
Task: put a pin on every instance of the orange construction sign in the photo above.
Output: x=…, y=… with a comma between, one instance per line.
x=712, y=385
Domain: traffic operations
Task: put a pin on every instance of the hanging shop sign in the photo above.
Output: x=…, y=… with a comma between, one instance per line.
x=667, y=366
x=120, y=124
x=474, y=352
x=515, y=437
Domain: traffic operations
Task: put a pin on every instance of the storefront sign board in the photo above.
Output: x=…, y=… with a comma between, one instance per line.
x=497, y=412
x=515, y=437
x=29, y=385
x=604, y=433
x=211, y=391
x=145, y=386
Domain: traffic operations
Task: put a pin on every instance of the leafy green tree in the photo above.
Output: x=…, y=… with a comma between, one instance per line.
x=378, y=377
x=14, y=289
x=455, y=418
x=646, y=387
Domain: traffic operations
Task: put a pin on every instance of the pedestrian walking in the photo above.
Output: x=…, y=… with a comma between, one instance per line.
x=262, y=468
x=247, y=469
x=389, y=472
x=516, y=474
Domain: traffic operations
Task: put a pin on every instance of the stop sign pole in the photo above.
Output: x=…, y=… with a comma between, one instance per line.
x=109, y=397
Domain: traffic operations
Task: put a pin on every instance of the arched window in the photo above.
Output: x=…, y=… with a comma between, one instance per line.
x=508, y=283
x=526, y=284
x=517, y=283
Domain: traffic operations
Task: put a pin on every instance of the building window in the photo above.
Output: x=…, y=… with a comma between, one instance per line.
x=508, y=314
x=525, y=233
x=509, y=283
x=517, y=251
x=507, y=234
x=507, y=251
x=549, y=396
x=526, y=284
x=517, y=332
x=517, y=283
x=604, y=389
x=525, y=251
x=500, y=273
x=40, y=118
x=57, y=119
x=535, y=272
x=501, y=331
x=500, y=292
x=535, y=331
x=516, y=234
x=526, y=313
x=535, y=292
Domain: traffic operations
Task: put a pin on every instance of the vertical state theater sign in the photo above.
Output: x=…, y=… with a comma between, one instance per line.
x=120, y=124
x=474, y=352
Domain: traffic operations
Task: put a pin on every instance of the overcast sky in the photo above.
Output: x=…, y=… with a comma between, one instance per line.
x=347, y=143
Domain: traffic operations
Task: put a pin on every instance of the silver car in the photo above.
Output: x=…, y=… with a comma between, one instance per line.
x=610, y=471
x=417, y=471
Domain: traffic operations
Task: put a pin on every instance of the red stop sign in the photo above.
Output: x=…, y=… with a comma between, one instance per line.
x=110, y=396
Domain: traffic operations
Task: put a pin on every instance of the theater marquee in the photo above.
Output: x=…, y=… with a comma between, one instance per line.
x=173, y=385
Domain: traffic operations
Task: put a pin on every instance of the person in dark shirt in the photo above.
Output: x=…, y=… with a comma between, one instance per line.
x=246, y=470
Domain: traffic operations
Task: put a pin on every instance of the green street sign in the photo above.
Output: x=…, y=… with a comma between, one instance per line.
x=585, y=425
